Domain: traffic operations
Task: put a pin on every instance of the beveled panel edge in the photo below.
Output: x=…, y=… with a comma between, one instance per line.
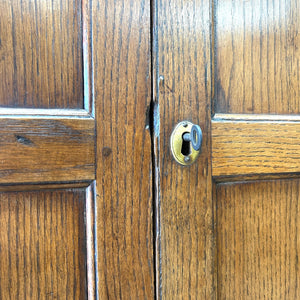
x=91, y=242
x=44, y=186
x=43, y=113
x=219, y=117
x=87, y=49
x=243, y=178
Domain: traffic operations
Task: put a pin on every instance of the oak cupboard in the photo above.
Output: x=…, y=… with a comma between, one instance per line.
x=92, y=203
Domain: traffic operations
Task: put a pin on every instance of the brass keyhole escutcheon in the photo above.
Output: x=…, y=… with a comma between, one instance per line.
x=186, y=141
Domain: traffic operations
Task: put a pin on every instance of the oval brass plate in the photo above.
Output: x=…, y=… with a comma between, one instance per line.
x=177, y=143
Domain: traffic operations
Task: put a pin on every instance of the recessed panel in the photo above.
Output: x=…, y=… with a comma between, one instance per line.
x=41, y=62
x=42, y=245
x=257, y=54
x=258, y=240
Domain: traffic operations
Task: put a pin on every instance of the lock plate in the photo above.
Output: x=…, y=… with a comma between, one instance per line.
x=182, y=151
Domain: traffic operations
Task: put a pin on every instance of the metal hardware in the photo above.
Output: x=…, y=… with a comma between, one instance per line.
x=195, y=137
x=186, y=141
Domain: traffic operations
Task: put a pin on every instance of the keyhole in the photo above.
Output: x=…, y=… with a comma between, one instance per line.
x=186, y=147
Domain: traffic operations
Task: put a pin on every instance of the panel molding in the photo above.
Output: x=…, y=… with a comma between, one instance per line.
x=45, y=186
x=46, y=113
x=91, y=242
x=88, y=74
x=255, y=117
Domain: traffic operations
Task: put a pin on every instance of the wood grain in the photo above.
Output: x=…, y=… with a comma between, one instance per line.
x=37, y=150
x=91, y=261
x=121, y=43
x=44, y=112
x=186, y=260
x=255, y=147
x=257, y=56
x=41, y=50
x=25, y=187
x=258, y=241
x=42, y=245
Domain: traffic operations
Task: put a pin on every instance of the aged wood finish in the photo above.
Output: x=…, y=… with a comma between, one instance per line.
x=255, y=147
x=37, y=149
x=185, y=249
x=42, y=245
x=47, y=151
x=41, y=54
x=255, y=136
x=257, y=56
x=26, y=187
x=121, y=43
x=258, y=240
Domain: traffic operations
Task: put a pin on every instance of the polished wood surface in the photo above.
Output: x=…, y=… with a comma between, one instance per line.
x=255, y=147
x=25, y=187
x=42, y=245
x=44, y=149
x=255, y=138
x=257, y=56
x=47, y=151
x=258, y=240
x=147, y=227
x=185, y=247
x=121, y=43
x=41, y=47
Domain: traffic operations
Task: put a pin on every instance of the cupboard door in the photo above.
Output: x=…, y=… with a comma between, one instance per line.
x=75, y=155
x=228, y=224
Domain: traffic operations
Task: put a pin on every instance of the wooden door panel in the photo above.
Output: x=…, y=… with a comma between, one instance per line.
x=43, y=245
x=47, y=156
x=257, y=56
x=41, y=61
x=245, y=66
x=255, y=135
x=51, y=131
x=258, y=240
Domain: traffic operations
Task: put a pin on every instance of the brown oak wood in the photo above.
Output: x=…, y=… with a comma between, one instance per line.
x=257, y=56
x=46, y=149
x=90, y=222
x=184, y=193
x=41, y=49
x=42, y=245
x=42, y=112
x=258, y=240
x=121, y=43
x=255, y=136
x=43, y=186
x=47, y=153
x=255, y=147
